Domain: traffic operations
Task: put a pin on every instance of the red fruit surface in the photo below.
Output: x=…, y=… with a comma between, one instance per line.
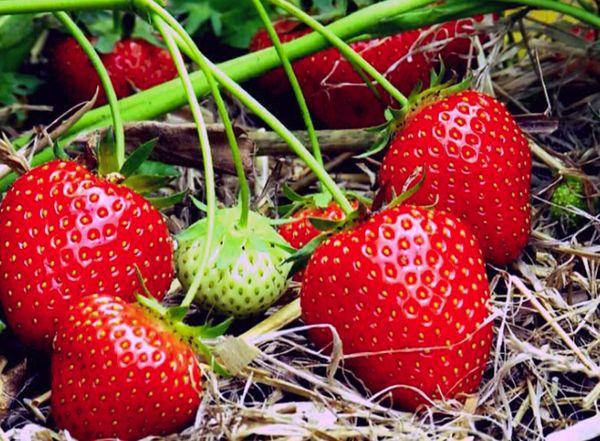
x=478, y=167
x=119, y=373
x=132, y=65
x=301, y=231
x=67, y=233
x=407, y=290
x=276, y=81
x=337, y=95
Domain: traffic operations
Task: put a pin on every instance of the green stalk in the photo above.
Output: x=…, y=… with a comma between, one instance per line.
x=345, y=49
x=34, y=6
x=189, y=46
x=111, y=95
x=289, y=71
x=209, y=177
x=563, y=8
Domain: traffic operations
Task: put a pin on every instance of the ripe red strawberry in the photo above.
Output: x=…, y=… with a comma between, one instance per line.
x=133, y=64
x=118, y=372
x=338, y=96
x=276, y=81
x=66, y=233
x=407, y=293
x=478, y=167
x=299, y=232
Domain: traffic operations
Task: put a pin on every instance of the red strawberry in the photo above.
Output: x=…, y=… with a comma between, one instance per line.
x=301, y=231
x=407, y=293
x=276, y=81
x=66, y=233
x=118, y=372
x=337, y=95
x=478, y=167
x=133, y=64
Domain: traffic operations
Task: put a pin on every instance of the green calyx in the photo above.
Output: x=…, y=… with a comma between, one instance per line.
x=569, y=193
x=195, y=336
x=246, y=272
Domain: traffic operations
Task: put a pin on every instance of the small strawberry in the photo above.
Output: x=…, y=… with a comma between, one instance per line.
x=247, y=270
x=66, y=233
x=569, y=193
x=477, y=164
x=338, y=96
x=132, y=65
x=119, y=372
x=408, y=295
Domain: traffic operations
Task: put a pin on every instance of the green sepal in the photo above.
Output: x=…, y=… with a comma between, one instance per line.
x=173, y=318
x=199, y=204
x=291, y=194
x=301, y=257
x=163, y=202
x=108, y=161
x=146, y=184
x=324, y=224
x=231, y=247
x=137, y=158
x=59, y=151
x=2, y=326
x=322, y=200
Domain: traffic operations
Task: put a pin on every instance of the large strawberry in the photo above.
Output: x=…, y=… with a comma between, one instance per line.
x=247, y=269
x=339, y=97
x=408, y=295
x=132, y=65
x=477, y=164
x=119, y=372
x=66, y=233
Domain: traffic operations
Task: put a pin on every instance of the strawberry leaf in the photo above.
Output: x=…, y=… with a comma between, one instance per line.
x=324, y=224
x=135, y=160
x=322, y=200
x=145, y=184
x=161, y=203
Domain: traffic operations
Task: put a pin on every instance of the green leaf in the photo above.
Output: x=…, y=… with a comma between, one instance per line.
x=18, y=34
x=324, y=224
x=379, y=146
x=163, y=202
x=13, y=85
x=138, y=157
x=291, y=194
x=210, y=332
x=2, y=326
x=199, y=205
x=322, y=200
x=107, y=159
x=301, y=257
x=145, y=184
x=157, y=168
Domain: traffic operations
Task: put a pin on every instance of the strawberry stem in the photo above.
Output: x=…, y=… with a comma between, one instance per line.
x=189, y=46
x=350, y=54
x=34, y=6
x=209, y=177
x=293, y=79
x=113, y=102
x=278, y=127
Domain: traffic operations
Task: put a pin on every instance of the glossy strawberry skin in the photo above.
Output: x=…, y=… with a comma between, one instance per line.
x=133, y=64
x=119, y=373
x=409, y=287
x=478, y=167
x=338, y=96
x=67, y=233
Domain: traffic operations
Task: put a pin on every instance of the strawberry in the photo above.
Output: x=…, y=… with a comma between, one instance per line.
x=299, y=232
x=478, y=167
x=132, y=65
x=246, y=272
x=276, y=81
x=66, y=233
x=119, y=372
x=408, y=295
x=338, y=96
